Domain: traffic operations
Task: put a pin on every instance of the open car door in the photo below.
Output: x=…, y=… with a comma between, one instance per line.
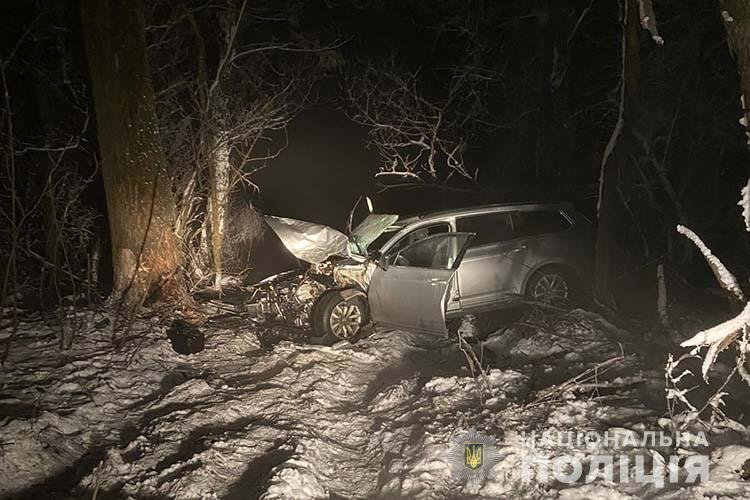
x=409, y=288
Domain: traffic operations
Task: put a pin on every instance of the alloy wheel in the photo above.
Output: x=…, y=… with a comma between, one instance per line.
x=551, y=289
x=345, y=319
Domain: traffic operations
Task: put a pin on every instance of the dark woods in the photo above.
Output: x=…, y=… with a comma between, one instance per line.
x=132, y=132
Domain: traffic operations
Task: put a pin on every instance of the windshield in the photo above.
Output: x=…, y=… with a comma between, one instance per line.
x=368, y=231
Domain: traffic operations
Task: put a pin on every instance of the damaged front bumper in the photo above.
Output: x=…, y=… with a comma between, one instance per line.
x=288, y=298
x=336, y=261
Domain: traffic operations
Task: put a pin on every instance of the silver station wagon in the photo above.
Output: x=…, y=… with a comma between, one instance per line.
x=416, y=272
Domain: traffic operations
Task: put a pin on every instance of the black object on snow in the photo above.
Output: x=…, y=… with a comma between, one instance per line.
x=186, y=338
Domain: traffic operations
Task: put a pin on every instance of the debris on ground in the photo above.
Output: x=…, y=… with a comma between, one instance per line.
x=374, y=419
x=186, y=338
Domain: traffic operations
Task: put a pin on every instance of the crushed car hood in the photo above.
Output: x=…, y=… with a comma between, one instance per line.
x=315, y=242
x=308, y=241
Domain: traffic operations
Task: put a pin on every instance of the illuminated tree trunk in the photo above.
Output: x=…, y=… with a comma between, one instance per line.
x=145, y=252
x=220, y=187
x=615, y=159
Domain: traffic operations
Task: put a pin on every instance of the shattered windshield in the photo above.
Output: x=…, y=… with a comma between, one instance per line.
x=370, y=230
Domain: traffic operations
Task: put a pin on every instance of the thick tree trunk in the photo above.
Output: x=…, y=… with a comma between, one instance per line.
x=145, y=252
x=736, y=15
x=615, y=159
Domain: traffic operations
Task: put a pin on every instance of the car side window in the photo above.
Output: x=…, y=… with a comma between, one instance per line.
x=536, y=222
x=489, y=228
x=438, y=251
x=413, y=237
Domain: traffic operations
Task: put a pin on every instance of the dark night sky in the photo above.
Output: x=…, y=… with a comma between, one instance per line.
x=322, y=172
x=326, y=158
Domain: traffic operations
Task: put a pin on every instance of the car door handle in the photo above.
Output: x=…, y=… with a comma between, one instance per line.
x=521, y=248
x=434, y=281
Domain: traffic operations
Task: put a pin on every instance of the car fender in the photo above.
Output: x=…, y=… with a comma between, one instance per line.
x=348, y=293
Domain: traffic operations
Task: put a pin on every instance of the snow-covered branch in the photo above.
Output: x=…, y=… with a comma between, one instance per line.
x=224, y=121
x=418, y=136
x=725, y=278
x=718, y=338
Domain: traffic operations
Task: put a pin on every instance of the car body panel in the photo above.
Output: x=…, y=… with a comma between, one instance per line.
x=491, y=272
x=308, y=241
x=315, y=243
x=352, y=273
x=497, y=274
x=419, y=298
x=414, y=298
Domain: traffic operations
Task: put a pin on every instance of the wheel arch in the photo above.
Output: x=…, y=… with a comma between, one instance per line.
x=316, y=311
x=574, y=272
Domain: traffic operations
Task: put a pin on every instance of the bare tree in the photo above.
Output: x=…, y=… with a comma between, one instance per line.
x=422, y=118
x=48, y=234
x=417, y=138
x=145, y=252
x=422, y=121
x=225, y=119
x=615, y=155
x=734, y=332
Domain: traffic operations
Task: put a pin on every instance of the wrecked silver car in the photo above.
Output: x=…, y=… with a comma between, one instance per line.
x=413, y=273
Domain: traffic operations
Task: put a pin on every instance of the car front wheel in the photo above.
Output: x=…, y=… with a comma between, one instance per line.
x=340, y=314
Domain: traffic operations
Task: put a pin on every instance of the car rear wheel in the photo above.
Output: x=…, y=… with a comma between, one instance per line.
x=339, y=314
x=552, y=285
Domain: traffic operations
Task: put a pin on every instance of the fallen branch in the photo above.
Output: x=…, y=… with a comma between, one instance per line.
x=725, y=278
x=475, y=367
x=587, y=378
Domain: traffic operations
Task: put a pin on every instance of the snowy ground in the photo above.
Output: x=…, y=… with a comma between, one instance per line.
x=370, y=420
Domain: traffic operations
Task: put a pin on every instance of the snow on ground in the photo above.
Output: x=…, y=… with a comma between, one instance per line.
x=373, y=419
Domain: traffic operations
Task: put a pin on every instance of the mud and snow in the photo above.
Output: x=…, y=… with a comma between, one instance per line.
x=374, y=419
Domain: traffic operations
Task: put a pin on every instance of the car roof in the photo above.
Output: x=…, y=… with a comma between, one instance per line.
x=479, y=209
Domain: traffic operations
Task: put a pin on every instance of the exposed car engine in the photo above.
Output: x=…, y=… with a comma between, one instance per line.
x=288, y=298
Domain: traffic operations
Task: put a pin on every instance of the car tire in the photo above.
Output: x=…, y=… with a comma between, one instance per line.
x=553, y=286
x=338, y=315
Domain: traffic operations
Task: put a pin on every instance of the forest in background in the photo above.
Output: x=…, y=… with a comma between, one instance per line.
x=132, y=137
